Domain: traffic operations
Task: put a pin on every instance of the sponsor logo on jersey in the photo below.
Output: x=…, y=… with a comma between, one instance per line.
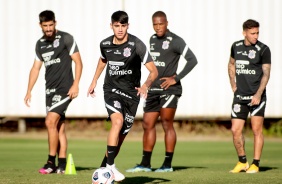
x=114, y=69
x=121, y=93
x=49, y=46
x=252, y=54
x=154, y=55
x=237, y=108
x=117, y=52
x=238, y=44
x=240, y=68
x=244, y=97
x=258, y=47
x=131, y=43
x=165, y=45
x=53, y=61
x=117, y=104
x=108, y=50
x=159, y=63
x=49, y=91
x=47, y=56
x=127, y=52
x=42, y=47
x=56, y=43
x=106, y=43
x=239, y=52
x=169, y=38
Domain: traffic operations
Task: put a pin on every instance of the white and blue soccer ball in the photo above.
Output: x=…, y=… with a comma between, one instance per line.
x=103, y=175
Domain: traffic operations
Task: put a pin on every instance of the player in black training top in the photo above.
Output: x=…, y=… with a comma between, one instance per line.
x=56, y=50
x=166, y=49
x=249, y=72
x=123, y=54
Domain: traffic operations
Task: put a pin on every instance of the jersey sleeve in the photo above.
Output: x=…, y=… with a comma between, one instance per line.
x=142, y=51
x=103, y=56
x=266, y=56
x=191, y=60
x=38, y=56
x=232, y=51
x=70, y=44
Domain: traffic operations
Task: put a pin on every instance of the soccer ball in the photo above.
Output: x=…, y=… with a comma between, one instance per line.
x=103, y=175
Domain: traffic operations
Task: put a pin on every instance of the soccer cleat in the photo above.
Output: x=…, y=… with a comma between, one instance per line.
x=61, y=169
x=48, y=168
x=139, y=168
x=240, y=167
x=164, y=169
x=253, y=169
x=117, y=175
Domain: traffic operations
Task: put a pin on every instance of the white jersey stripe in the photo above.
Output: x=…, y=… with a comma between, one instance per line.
x=59, y=103
x=168, y=101
x=185, y=51
x=261, y=106
x=145, y=57
x=72, y=48
x=111, y=107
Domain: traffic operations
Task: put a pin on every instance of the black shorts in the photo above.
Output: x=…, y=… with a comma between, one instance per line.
x=155, y=102
x=124, y=105
x=58, y=103
x=241, y=108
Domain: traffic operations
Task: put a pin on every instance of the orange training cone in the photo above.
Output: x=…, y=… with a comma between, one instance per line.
x=70, y=168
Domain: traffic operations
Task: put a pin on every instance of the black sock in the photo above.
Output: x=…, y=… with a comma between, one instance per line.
x=111, y=154
x=62, y=162
x=168, y=159
x=51, y=159
x=256, y=162
x=146, y=159
x=103, y=164
x=243, y=159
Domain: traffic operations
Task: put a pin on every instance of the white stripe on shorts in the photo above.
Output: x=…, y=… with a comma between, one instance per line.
x=59, y=103
x=168, y=101
x=261, y=106
x=233, y=113
x=111, y=107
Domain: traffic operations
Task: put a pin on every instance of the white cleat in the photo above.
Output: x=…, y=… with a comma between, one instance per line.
x=117, y=175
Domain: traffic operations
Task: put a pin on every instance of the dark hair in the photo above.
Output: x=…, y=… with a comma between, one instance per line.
x=249, y=24
x=46, y=16
x=159, y=14
x=120, y=16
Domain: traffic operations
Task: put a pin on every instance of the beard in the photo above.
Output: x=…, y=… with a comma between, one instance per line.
x=50, y=38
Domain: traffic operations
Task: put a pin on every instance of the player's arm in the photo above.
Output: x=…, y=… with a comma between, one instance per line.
x=232, y=74
x=143, y=90
x=33, y=75
x=191, y=62
x=74, y=90
x=100, y=67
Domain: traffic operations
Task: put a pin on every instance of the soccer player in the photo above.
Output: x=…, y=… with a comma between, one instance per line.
x=249, y=71
x=123, y=55
x=56, y=49
x=166, y=49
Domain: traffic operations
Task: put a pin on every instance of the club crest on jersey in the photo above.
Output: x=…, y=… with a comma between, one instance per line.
x=56, y=43
x=127, y=52
x=237, y=108
x=117, y=104
x=165, y=45
x=252, y=54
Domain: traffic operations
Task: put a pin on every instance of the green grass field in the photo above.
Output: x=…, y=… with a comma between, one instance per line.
x=194, y=162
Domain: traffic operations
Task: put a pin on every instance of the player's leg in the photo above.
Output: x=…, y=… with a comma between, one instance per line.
x=51, y=122
x=167, y=117
x=62, y=148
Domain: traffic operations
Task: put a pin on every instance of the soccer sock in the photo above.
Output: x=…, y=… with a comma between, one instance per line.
x=243, y=159
x=168, y=159
x=104, y=162
x=51, y=159
x=256, y=162
x=146, y=159
x=62, y=162
x=111, y=154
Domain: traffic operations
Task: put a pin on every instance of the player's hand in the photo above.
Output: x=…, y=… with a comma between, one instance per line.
x=91, y=90
x=27, y=99
x=142, y=91
x=255, y=100
x=73, y=92
x=167, y=81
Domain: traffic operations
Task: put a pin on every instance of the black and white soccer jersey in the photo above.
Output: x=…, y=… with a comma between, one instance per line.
x=166, y=52
x=248, y=64
x=124, y=61
x=56, y=56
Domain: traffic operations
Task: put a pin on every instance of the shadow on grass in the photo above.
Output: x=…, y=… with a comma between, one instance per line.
x=85, y=168
x=143, y=179
x=263, y=169
x=179, y=168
